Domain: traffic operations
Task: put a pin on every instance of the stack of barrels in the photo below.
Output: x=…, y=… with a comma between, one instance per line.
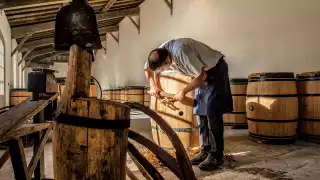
x=128, y=93
x=277, y=107
x=237, y=118
x=308, y=85
x=61, y=84
x=18, y=95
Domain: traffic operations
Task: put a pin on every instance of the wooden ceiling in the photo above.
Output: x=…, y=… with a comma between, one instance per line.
x=36, y=19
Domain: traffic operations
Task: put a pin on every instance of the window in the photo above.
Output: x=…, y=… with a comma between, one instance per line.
x=1, y=68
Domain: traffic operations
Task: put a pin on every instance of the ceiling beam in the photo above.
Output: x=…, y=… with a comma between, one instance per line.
x=108, y=5
x=48, y=41
x=19, y=4
x=34, y=44
x=19, y=32
x=42, y=51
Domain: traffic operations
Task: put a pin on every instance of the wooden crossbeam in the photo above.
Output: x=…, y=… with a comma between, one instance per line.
x=19, y=32
x=39, y=150
x=49, y=41
x=108, y=5
x=21, y=43
x=4, y=158
x=170, y=5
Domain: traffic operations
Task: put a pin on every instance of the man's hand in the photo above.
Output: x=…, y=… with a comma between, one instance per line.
x=177, y=97
x=155, y=90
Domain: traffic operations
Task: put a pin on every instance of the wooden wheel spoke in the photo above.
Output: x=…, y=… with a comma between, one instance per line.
x=181, y=154
x=152, y=171
x=161, y=154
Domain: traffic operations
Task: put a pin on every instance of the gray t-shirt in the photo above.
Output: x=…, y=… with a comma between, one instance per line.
x=190, y=56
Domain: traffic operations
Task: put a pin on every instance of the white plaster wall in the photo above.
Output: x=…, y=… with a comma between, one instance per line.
x=16, y=71
x=255, y=36
x=5, y=34
x=62, y=68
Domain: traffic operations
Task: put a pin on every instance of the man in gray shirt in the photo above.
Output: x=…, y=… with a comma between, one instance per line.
x=210, y=72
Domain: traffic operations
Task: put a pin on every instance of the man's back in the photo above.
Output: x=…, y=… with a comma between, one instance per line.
x=189, y=55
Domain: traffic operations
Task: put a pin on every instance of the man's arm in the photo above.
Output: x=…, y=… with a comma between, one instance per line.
x=195, y=83
x=154, y=80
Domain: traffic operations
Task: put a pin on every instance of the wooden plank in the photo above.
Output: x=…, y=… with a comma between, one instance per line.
x=18, y=160
x=37, y=155
x=25, y=130
x=108, y=5
x=161, y=154
x=19, y=114
x=4, y=158
x=152, y=171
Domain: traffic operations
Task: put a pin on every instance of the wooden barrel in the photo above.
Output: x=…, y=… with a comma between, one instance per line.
x=106, y=94
x=179, y=116
x=117, y=94
x=237, y=118
x=18, y=95
x=135, y=93
x=272, y=107
x=123, y=95
x=147, y=97
x=308, y=85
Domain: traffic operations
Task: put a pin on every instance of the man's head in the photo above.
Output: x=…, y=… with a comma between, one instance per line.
x=159, y=59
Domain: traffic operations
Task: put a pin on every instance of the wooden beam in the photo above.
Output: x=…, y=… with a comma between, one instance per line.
x=18, y=160
x=38, y=43
x=19, y=4
x=4, y=158
x=36, y=53
x=116, y=38
x=38, y=151
x=170, y=5
x=19, y=32
x=49, y=41
x=25, y=56
x=21, y=43
x=136, y=23
x=108, y=5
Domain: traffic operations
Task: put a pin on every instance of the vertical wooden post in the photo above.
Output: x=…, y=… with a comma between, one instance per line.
x=18, y=160
x=39, y=171
x=91, y=135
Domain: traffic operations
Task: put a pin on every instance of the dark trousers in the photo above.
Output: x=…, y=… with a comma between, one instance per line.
x=211, y=134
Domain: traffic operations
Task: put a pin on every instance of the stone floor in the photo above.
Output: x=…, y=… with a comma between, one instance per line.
x=254, y=161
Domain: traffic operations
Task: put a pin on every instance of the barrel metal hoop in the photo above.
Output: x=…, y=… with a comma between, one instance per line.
x=271, y=137
x=239, y=94
x=308, y=94
x=272, y=121
x=178, y=129
x=272, y=79
x=309, y=119
x=311, y=136
x=86, y=122
x=235, y=124
x=308, y=79
x=19, y=96
x=275, y=95
x=236, y=113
